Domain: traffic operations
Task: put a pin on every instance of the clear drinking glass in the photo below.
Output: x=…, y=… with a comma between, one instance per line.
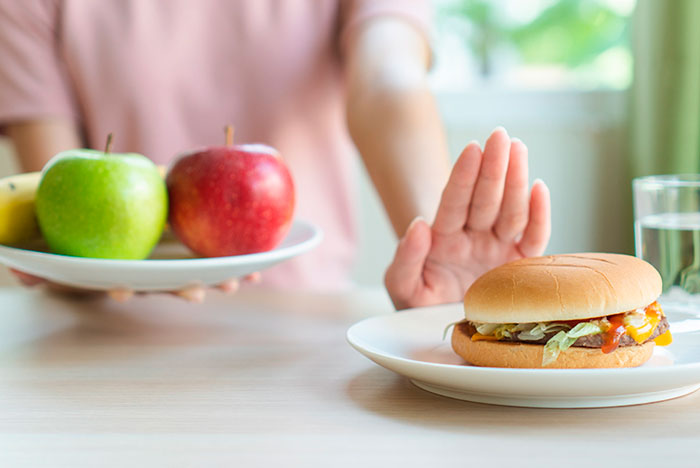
x=667, y=233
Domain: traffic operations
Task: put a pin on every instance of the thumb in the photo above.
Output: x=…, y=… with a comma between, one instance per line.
x=404, y=276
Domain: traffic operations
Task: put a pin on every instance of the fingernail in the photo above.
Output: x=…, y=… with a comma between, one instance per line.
x=474, y=145
x=516, y=140
x=542, y=184
x=120, y=294
x=415, y=221
x=192, y=294
x=500, y=128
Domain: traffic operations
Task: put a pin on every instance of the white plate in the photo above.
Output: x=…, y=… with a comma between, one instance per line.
x=410, y=343
x=170, y=266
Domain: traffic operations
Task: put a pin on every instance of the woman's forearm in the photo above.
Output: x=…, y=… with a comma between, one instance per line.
x=394, y=121
x=36, y=142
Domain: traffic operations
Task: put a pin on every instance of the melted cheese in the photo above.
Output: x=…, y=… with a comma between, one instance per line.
x=480, y=337
x=664, y=339
x=641, y=323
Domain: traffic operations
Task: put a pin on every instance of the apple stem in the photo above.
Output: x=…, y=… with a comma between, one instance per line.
x=229, y=135
x=108, y=146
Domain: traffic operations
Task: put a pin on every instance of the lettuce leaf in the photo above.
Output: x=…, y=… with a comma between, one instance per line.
x=564, y=339
x=486, y=328
x=524, y=331
x=537, y=331
x=450, y=325
x=504, y=330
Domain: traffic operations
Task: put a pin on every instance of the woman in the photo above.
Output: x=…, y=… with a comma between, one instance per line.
x=165, y=77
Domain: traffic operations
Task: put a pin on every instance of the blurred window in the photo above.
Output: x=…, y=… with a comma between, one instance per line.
x=532, y=44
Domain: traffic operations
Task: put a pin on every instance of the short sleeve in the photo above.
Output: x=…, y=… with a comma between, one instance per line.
x=354, y=13
x=32, y=77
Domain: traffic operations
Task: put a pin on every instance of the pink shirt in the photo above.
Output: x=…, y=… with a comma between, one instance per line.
x=166, y=76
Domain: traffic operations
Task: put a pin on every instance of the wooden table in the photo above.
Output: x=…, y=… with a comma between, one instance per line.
x=267, y=379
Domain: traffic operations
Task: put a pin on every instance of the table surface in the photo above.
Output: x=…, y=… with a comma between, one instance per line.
x=264, y=378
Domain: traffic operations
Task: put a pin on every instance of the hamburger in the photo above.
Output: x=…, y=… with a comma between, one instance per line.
x=588, y=310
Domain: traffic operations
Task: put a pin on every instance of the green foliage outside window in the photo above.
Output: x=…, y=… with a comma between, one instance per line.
x=570, y=33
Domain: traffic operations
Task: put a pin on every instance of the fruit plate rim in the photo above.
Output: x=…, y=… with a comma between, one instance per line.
x=313, y=236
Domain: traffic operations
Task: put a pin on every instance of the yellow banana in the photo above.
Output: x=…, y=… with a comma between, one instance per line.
x=17, y=218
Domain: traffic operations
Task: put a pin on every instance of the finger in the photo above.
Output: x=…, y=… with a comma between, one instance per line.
x=454, y=204
x=513, y=216
x=194, y=293
x=120, y=294
x=26, y=279
x=232, y=285
x=253, y=278
x=539, y=226
x=405, y=274
x=229, y=286
x=488, y=191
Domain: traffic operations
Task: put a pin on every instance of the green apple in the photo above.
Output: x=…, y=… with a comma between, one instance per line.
x=102, y=205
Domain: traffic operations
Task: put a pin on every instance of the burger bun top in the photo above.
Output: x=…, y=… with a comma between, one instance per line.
x=562, y=287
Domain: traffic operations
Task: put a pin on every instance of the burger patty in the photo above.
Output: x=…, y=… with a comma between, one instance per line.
x=590, y=341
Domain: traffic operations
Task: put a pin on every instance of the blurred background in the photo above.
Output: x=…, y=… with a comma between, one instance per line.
x=599, y=90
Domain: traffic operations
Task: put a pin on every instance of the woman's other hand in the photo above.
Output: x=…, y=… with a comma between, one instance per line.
x=195, y=293
x=487, y=216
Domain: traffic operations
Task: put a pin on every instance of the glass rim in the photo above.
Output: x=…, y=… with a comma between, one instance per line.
x=669, y=180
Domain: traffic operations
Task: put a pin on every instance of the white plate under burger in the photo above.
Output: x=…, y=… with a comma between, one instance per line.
x=411, y=344
x=171, y=265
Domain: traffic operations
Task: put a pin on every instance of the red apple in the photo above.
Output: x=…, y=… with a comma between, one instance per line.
x=230, y=200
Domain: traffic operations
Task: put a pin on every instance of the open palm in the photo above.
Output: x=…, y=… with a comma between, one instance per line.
x=487, y=216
